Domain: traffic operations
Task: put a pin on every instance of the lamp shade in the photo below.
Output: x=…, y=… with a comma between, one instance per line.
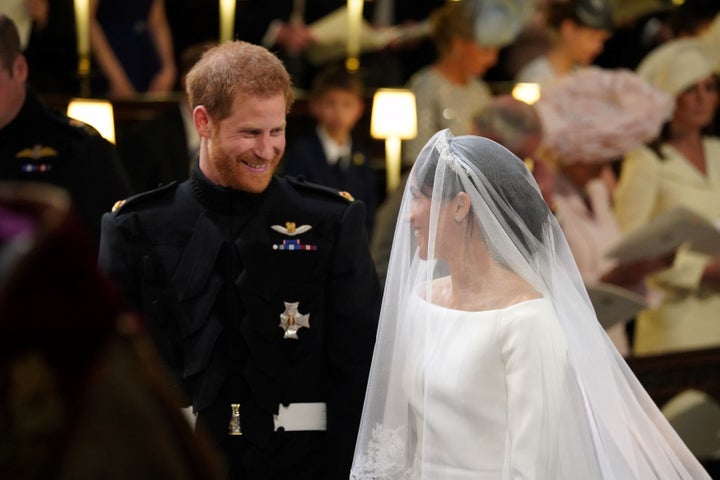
x=393, y=114
x=97, y=113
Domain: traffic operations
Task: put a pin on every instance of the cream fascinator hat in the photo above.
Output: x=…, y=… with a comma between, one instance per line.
x=678, y=64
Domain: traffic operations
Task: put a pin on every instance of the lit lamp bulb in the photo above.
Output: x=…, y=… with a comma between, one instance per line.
x=526, y=92
x=393, y=118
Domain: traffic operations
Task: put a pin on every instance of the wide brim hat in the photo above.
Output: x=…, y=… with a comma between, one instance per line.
x=680, y=63
x=595, y=115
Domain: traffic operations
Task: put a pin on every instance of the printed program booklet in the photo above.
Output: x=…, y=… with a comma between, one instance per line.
x=665, y=233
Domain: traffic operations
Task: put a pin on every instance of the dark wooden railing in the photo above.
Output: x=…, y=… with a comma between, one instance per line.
x=664, y=376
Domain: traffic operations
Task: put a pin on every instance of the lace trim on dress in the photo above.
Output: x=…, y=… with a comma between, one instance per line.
x=385, y=457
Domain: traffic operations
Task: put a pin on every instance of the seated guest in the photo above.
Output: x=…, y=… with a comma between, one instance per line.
x=681, y=168
x=331, y=156
x=578, y=31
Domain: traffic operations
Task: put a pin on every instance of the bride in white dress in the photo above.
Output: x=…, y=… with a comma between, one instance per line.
x=489, y=361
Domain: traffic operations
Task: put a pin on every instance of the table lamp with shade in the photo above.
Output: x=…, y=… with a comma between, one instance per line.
x=96, y=112
x=393, y=118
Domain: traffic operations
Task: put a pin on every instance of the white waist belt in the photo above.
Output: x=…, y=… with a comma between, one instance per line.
x=301, y=416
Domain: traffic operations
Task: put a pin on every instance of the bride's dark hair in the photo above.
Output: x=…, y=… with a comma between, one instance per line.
x=506, y=174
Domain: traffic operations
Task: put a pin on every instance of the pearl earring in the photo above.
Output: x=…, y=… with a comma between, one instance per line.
x=458, y=218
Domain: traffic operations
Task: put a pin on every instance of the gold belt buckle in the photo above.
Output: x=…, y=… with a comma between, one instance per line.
x=234, y=428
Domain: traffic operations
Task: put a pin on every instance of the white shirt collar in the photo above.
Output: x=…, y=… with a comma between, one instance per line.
x=333, y=150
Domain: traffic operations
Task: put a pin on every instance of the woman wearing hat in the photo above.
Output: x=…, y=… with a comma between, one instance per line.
x=590, y=118
x=467, y=35
x=680, y=169
x=578, y=30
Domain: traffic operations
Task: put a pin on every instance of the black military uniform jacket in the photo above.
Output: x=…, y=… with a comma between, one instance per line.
x=212, y=268
x=42, y=145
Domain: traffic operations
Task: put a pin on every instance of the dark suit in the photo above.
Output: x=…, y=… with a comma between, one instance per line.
x=211, y=274
x=52, y=53
x=41, y=145
x=306, y=157
x=254, y=17
x=395, y=66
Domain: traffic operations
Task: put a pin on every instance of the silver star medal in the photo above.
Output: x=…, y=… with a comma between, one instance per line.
x=291, y=320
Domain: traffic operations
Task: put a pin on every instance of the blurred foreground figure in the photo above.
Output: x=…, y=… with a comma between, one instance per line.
x=82, y=394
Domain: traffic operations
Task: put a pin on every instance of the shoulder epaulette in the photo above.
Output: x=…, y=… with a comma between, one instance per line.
x=77, y=127
x=302, y=184
x=84, y=127
x=140, y=197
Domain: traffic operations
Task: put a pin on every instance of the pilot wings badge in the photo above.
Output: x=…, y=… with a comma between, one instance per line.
x=291, y=320
x=37, y=152
x=291, y=229
x=292, y=244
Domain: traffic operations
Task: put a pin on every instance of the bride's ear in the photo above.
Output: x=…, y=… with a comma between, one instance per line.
x=461, y=206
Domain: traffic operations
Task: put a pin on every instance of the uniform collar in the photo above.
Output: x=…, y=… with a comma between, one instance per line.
x=225, y=199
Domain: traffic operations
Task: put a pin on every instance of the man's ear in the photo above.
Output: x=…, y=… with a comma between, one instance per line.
x=20, y=68
x=202, y=121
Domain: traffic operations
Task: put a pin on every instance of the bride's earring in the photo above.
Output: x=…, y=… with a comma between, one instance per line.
x=458, y=218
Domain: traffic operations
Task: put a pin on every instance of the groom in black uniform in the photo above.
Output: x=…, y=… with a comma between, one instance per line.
x=259, y=291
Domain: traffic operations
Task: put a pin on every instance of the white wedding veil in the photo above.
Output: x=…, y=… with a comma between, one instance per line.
x=493, y=365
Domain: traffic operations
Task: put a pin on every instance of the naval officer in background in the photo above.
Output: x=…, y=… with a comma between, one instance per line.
x=40, y=145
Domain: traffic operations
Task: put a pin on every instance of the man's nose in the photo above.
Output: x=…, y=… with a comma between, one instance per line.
x=264, y=147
